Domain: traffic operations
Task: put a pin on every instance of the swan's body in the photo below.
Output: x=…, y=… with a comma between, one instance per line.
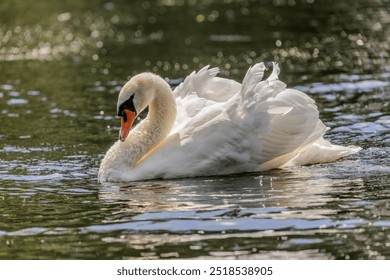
x=215, y=126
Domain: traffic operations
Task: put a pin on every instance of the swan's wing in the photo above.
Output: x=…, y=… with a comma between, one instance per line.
x=199, y=91
x=293, y=125
x=196, y=81
x=252, y=77
x=205, y=84
x=284, y=121
x=210, y=144
x=254, y=90
x=188, y=108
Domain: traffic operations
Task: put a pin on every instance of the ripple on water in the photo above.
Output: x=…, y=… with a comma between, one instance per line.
x=349, y=87
x=305, y=241
x=33, y=178
x=17, y=101
x=221, y=223
x=19, y=149
x=6, y=87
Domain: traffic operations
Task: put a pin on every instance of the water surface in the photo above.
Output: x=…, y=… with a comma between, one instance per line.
x=62, y=65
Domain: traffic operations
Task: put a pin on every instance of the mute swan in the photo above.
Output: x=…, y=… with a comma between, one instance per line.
x=215, y=126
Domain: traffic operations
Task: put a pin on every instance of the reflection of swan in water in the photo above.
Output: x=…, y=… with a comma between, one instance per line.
x=295, y=188
x=215, y=126
x=160, y=218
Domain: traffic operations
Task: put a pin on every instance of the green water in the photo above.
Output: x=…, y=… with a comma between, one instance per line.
x=62, y=64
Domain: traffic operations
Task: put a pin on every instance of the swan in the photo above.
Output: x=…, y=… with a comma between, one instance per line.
x=215, y=126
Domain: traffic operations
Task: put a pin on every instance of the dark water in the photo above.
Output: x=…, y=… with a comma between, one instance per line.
x=62, y=64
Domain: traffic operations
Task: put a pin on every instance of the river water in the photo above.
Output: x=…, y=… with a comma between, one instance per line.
x=62, y=64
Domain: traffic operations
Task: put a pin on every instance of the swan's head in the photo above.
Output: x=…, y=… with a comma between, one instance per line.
x=133, y=98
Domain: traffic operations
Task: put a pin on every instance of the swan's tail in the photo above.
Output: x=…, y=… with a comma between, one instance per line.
x=320, y=152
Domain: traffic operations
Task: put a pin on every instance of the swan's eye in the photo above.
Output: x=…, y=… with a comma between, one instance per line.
x=127, y=105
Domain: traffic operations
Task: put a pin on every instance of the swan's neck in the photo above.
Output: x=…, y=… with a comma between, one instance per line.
x=149, y=133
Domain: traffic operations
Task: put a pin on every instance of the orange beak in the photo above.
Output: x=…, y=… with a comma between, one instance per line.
x=126, y=123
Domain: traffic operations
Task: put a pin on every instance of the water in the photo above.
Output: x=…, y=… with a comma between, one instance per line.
x=62, y=65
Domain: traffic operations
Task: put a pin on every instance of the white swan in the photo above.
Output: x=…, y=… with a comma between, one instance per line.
x=215, y=126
